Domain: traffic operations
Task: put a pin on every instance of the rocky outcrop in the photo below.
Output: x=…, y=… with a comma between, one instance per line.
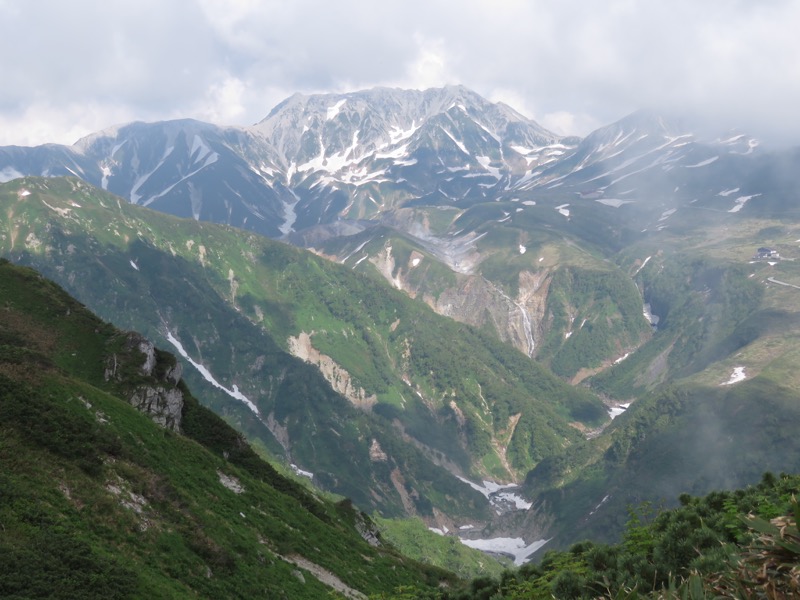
x=159, y=397
x=163, y=405
x=336, y=375
x=518, y=321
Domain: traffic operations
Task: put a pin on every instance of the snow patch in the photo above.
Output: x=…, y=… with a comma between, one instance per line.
x=301, y=472
x=737, y=376
x=134, y=265
x=615, y=202
x=233, y=393
x=603, y=501
x=725, y=193
x=646, y=260
x=514, y=547
x=458, y=143
x=703, y=163
x=616, y=411
x=495, y=494
x=741, y=201
x=485, y=162
x=289, y=217
x=522, y=249
x=396, y=134
x=667, y=214
x=334, y=110
x=562, y=209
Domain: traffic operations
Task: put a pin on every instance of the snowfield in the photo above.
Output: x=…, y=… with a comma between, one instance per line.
x=233, y=393
x=737, y=376
x=514, y=547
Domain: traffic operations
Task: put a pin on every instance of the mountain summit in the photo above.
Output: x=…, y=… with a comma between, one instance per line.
x=313, y=159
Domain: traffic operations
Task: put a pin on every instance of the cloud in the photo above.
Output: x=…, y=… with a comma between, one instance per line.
x=570, y=64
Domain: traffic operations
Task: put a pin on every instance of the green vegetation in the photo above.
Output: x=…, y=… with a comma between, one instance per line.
x=96, y=500
x=720, y=545
x=601, y=311
x=235, y=299
x=413, y=538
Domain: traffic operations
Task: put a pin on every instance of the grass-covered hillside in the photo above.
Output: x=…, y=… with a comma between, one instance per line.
x=97, y=500
x=713, y=393
x=539, y=281
x=387, y=400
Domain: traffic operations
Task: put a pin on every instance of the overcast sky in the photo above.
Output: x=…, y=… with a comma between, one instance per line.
x=69, y=68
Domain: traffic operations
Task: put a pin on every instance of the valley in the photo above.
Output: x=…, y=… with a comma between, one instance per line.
x=420, y=298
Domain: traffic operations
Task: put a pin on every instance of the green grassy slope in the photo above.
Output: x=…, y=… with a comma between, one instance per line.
x=96, y=500
x=440, y=396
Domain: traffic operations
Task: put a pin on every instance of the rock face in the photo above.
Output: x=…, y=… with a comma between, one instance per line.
x=160, y=398
x=337, y=376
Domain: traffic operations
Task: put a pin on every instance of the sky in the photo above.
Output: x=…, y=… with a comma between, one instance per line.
x=71, y=68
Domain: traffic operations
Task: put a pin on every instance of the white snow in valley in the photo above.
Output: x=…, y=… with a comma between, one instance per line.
x=614, y=202
x=642, y=266
x=466, y=527
x=522, y=249
x=289, y=217
x=646, y=311
x=200, y=148
x=233, y=393
x=494, y=492
x=334, y=110
x=521, y=149
x=725, y=193
x=529, y=202
x=23, y=193
x=703, y=163
x=397, y=134
x=519, y=502
x=134, y=265
x=436, y=530
x=621, y=358
x=515, y=547
x=486, y=164
x=562, y=209
x=404, y=163
x=737, y=376
x=360, y=260
x=667, y=214
x=415, y=261
x=398, y=152
x=741, y=201
x=458, y=143
x=301, y=472
x=603, y=501
x=615, y=411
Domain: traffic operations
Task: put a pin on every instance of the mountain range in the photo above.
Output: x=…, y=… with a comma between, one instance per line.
x=625, y=268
